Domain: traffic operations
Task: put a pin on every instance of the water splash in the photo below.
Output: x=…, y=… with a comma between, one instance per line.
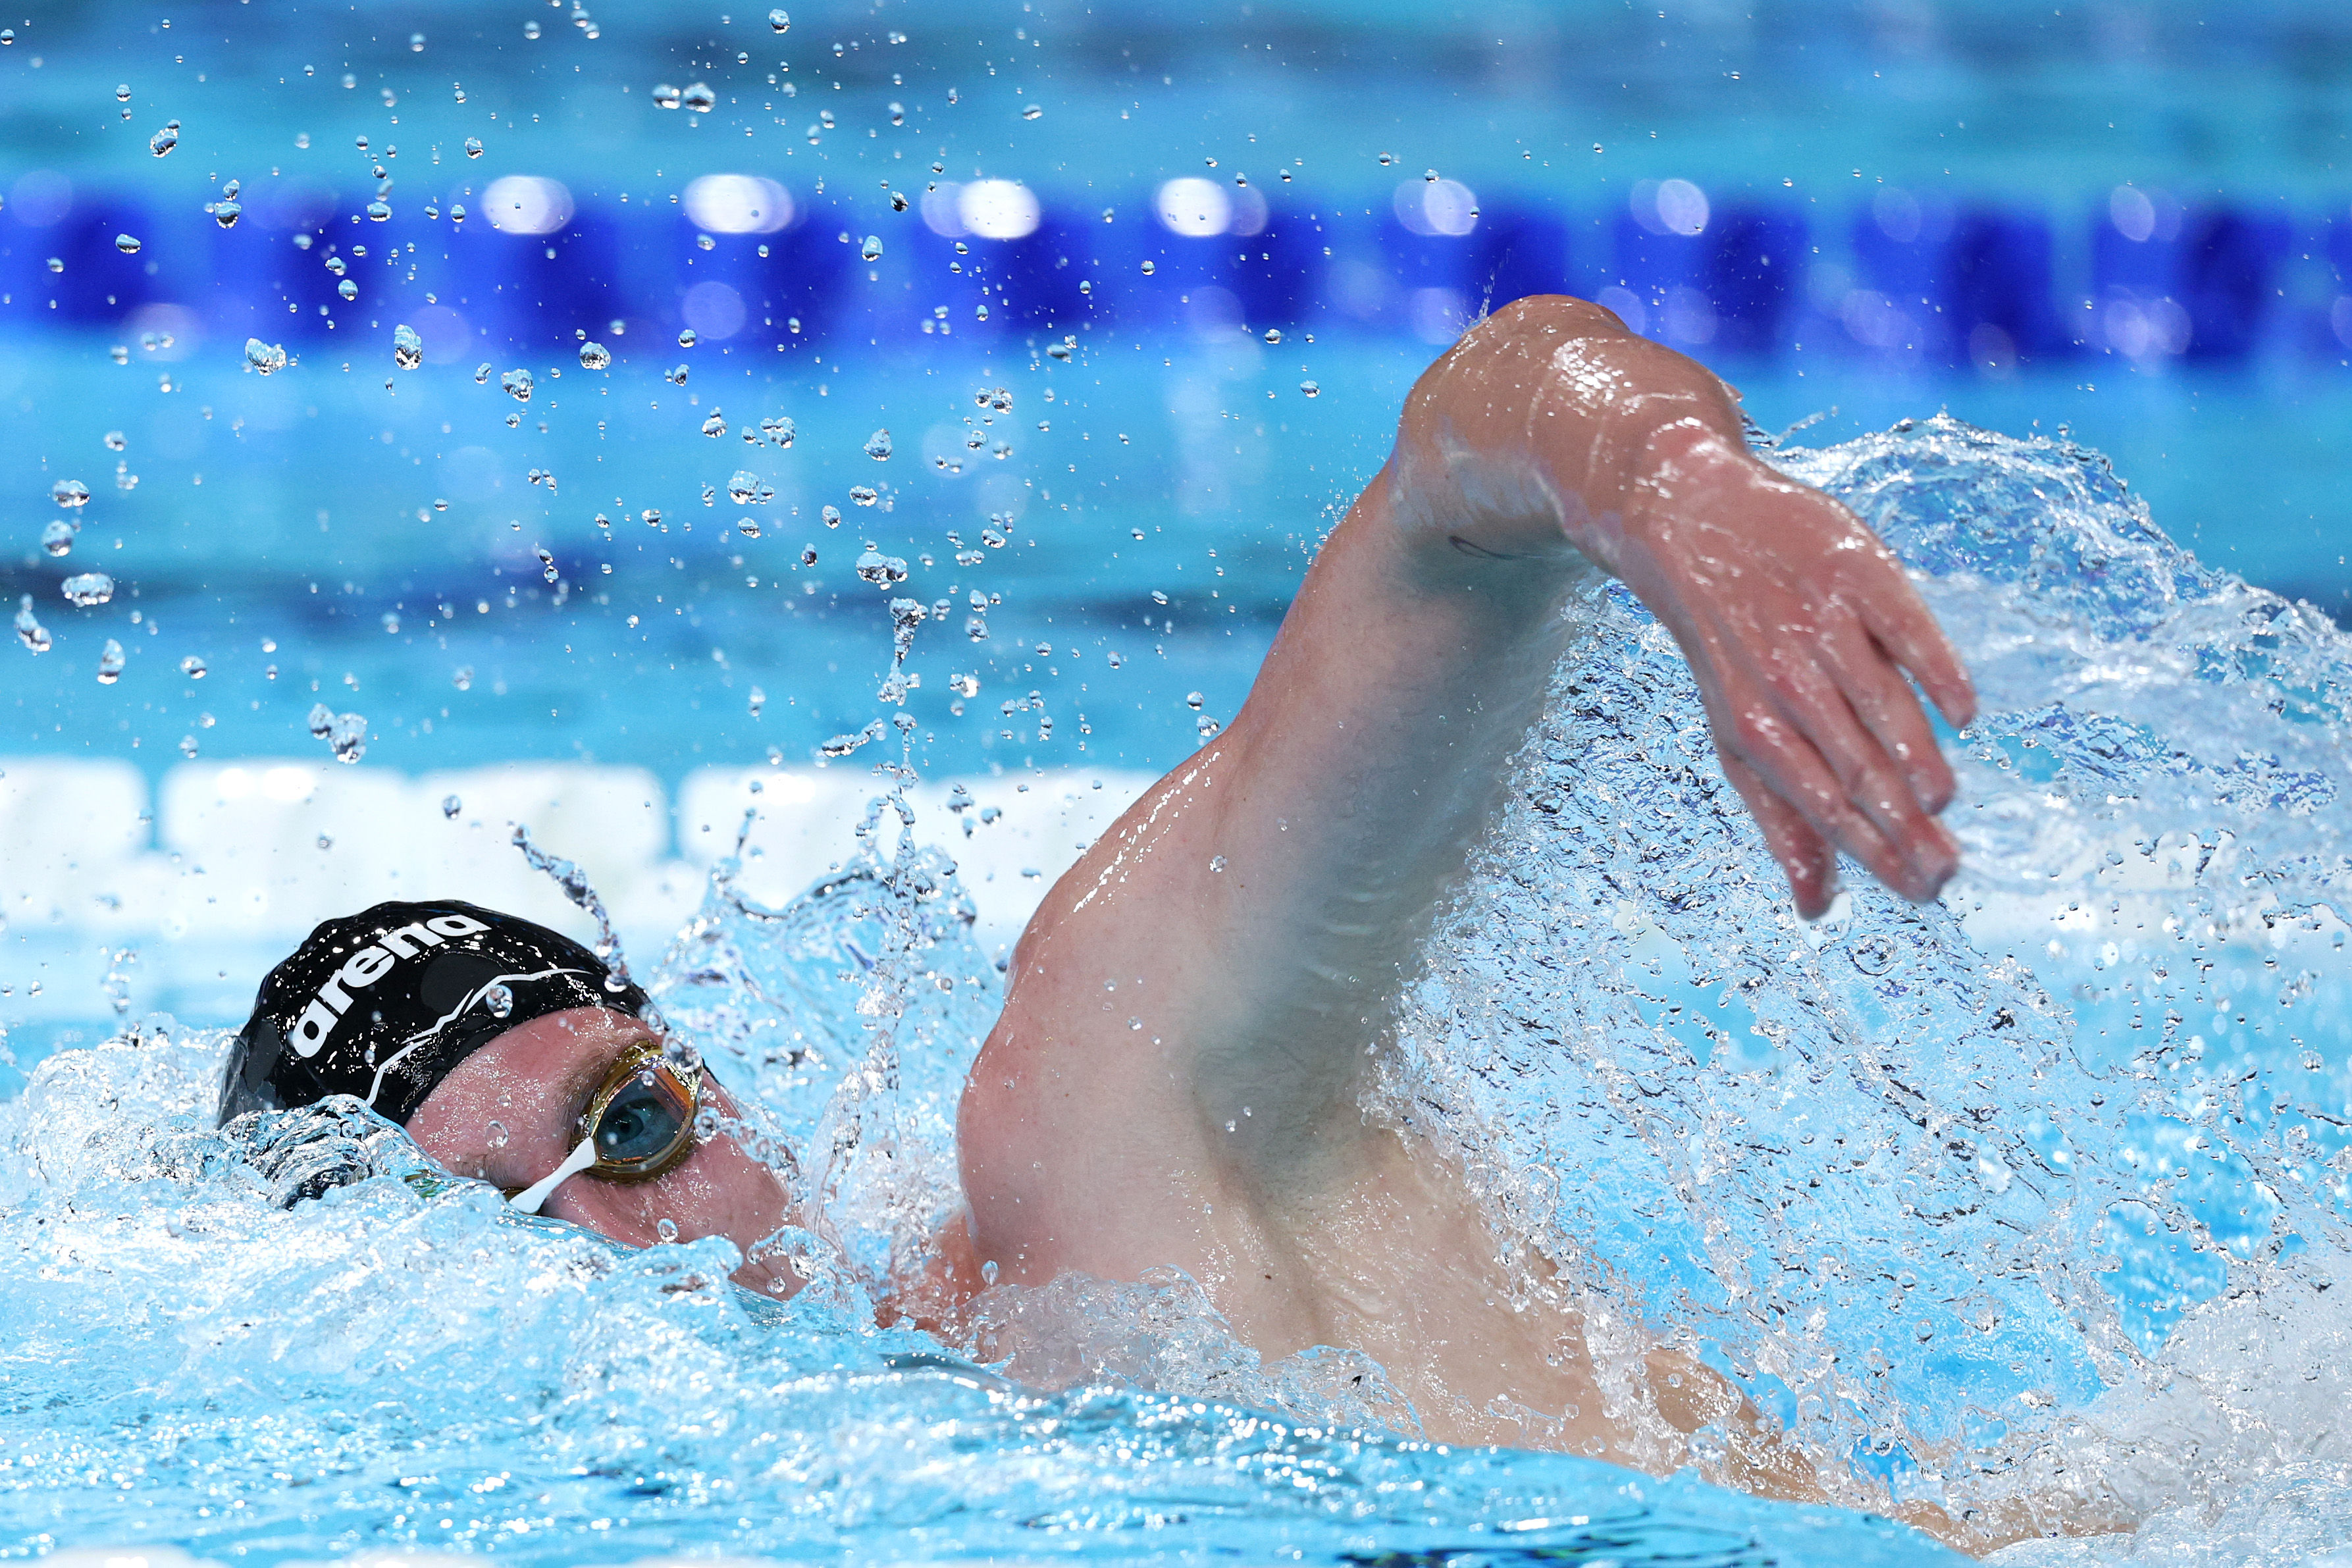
x=1935, y=1185
x=2050, y=1174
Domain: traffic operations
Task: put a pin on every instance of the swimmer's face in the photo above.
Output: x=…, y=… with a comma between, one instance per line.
x=510, y=1113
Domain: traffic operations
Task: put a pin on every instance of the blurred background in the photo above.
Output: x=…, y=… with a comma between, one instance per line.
x=321, y=597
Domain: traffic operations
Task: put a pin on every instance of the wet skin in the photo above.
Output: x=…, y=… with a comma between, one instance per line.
x=510, y=1114
x=1257, y=909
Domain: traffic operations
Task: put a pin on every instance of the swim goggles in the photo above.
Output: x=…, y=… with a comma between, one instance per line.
x=638, y=1125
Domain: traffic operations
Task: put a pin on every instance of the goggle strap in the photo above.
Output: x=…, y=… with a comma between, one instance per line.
x=528, y=1200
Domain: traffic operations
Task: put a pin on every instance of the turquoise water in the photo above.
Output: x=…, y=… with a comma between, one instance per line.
x=2036, y=1190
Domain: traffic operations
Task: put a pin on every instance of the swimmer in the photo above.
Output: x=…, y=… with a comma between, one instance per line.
x=1258, y=912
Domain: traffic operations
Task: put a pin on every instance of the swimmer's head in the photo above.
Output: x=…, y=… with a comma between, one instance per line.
x=494, y=1041
x=385, y=1003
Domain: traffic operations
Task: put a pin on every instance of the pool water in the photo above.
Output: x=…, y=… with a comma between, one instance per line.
x=2039, y=1191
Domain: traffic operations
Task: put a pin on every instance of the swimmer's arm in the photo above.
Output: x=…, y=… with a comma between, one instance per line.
x=1191, y=1008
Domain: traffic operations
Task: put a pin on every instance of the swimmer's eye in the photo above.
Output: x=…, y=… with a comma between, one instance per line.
x=641, y=1118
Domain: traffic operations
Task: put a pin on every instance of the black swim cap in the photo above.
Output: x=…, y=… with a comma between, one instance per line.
x=384, y=1004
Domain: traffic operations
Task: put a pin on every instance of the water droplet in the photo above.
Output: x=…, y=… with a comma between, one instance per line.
x=407, y=348
x=164, y=140
x=595, y=356
x=127, y=243
x=192, y=667
x=481, y=373
x=516, y=383
x=667, y=1230
x=531, y=29
x=29, y=630
x=450, y=806
x=1217, y=863
x=57, y=537
x=87, y=588
x=1386, y=160
x=898, y=199
x=759, y=701
x=877, y=445
x=872, y=248
x=122, y=93
x=347, y=737
x=686, y=338
x=473, y=146
x=263, y=357
x=676, y=377
x=226, y=212
x=698, y=99
x=778, y=431
x=1150, y=267
x=1273, y=334
x=546, y=564
x=715, y=425
x=779, y=22
x=497, y=1134
x=1157, y=597
x=109, y=663
x=964, y=686
x=864, y=495
x=882, y=571
x=808, y=554
x=497, y=1000
x=666, y=96
x=1033, y=112
x=1310, y=389
x=749, y=527
x=115, y=441
x=463, y=678
x=69, y=493
x=378, y=210
x=831, y=516
x=1207, y=726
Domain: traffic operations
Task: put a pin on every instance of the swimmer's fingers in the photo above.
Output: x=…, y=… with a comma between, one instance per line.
x=1908, y=849
x=1899, y=618
x=1806, y=858
x=1874, y=688
x=1794, y=740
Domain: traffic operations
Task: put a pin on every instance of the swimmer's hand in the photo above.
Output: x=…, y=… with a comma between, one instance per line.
x=1800, y=627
